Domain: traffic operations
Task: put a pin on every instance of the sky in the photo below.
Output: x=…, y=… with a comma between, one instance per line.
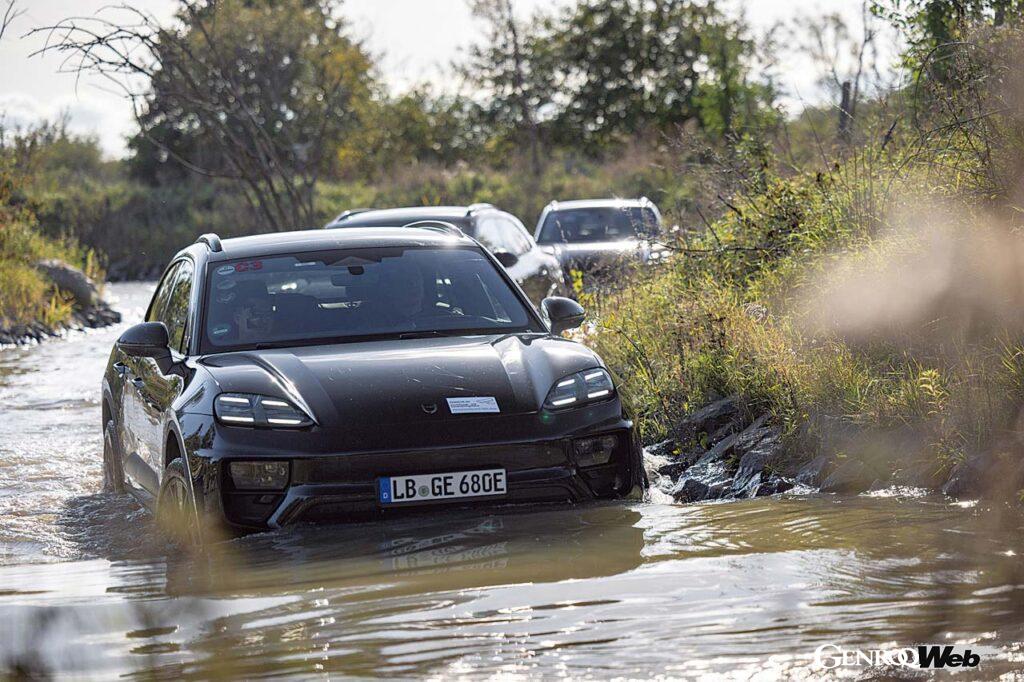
x=416, y=41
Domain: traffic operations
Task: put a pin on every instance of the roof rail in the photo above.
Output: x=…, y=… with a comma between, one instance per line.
x=211, y=240
x=348, y=214
x=478, y=207
x=438, y=225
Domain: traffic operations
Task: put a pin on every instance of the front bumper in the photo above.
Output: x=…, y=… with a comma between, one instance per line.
x=342, y=486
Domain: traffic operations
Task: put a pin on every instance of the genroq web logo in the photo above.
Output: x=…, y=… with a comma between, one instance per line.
x=832, y=656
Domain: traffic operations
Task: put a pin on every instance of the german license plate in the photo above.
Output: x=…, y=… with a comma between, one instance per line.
x=451, y=486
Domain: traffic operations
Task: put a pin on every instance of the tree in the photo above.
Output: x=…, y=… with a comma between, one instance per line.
x=928, y=24
x=414, y=127
x=622, y=66
x=257, y=91
x=507, y=66
x=843, y=59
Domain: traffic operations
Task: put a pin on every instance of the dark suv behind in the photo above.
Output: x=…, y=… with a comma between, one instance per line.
x=535, y=270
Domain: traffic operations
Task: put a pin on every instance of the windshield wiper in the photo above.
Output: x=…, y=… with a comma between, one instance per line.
x=425, y=333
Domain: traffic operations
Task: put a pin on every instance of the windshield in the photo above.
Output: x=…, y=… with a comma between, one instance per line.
x=305, y=298
x=597, y=225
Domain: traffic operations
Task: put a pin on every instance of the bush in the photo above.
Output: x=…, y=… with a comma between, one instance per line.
x=26, y=296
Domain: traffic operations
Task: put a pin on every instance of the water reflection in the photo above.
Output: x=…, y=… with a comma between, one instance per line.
x=421, y=555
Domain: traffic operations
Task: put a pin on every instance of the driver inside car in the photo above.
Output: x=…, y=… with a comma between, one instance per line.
x=249, y=312
x=404, y=296
x=254, y=318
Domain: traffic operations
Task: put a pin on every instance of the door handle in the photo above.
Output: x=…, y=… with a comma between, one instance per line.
x=121, y=368
x=138, y=382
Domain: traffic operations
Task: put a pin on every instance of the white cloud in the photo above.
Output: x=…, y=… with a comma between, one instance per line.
x=105, y=116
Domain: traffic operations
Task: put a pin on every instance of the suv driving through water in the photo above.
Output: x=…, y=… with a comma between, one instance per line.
x=340, y=374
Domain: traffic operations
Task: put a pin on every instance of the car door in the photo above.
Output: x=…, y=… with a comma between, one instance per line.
x=149, y=392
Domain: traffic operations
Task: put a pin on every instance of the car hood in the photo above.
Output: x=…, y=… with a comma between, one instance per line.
x=588, y=255
x=404, y=381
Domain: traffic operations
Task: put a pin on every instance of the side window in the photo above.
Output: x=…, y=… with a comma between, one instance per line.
x=176, y=315
x=488, y=233
x=163, y=292
x=515, y=236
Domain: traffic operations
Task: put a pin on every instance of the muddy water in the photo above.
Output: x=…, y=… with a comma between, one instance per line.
x=748, y=588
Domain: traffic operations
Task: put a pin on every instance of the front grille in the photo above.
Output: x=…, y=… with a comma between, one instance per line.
x=368, y=466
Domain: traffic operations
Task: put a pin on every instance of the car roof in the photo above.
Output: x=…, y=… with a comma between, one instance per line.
x=598, y=203
x=407, y=214
x=276, y=243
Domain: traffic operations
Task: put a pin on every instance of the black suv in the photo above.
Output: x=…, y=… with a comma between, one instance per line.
x=335, y=374
x=535, y=270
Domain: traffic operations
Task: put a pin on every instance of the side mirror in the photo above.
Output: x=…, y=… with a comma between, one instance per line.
x=564, y=313
x=146, y=340
x=506, y=258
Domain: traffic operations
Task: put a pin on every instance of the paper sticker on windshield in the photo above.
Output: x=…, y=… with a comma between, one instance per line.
x=475, y=404
x=225, y=269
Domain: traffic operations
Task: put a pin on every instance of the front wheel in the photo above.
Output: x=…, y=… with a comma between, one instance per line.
x=175, y=507
x=113, y=475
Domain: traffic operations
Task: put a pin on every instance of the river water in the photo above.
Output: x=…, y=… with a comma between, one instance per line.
x=742, y=589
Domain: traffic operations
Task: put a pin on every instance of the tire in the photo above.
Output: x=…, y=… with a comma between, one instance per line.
x=175, y=507
x=113, y=474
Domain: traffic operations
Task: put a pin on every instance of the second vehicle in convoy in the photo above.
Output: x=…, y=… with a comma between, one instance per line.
x=535, y=270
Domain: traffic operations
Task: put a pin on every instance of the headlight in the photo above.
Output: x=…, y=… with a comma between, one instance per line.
x=576, y=389
x=245, y=409
x=259, y=475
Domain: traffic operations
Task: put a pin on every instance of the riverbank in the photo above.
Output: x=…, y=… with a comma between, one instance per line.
x=75, y=302
x=871, y=309
x=48, y=285
x=94, y=317
x=719, y=453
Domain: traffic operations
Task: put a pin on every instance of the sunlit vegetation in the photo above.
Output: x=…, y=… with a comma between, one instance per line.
x=870, y=299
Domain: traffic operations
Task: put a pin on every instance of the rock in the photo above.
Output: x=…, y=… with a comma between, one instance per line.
x=926, y=474
x=690, y=490
x=709, y=478
x=718, y=453
x=773, y=486
x=849, y=477
x=996, y=476
x=814, y=472
x=754, y=434
x=723, y=432
x=680, y=463
x=965, y=479
x=749, y=473
x=709, y=418
x=71, y=280
x=693, y=490
x=665, y=448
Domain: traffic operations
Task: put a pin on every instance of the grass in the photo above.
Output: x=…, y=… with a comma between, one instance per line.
x=856, y=305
